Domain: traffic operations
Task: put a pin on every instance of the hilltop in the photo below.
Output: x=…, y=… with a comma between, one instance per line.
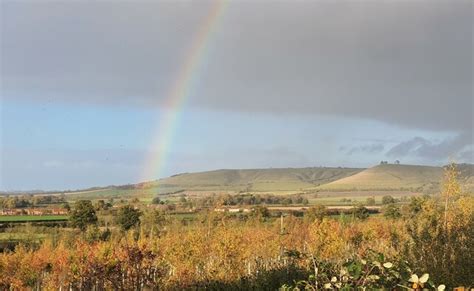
x=283, y=179
x=401, y=177
x=390, y=177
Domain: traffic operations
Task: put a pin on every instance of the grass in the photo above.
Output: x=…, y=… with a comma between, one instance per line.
x=259, y=179
x=32, y=218
x=18, y=236
x=390, y=177
x=251, y=180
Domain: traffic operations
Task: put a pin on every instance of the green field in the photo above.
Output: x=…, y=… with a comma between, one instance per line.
x=32, y=218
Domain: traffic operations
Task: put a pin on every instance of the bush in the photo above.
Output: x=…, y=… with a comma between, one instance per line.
x=128, y=217
x=444, y=246
x=360, y=212
x=391, y=211
x=372, y=273
x=156, y=200
x=317, y=212
x=387, y=199
x=370, y=201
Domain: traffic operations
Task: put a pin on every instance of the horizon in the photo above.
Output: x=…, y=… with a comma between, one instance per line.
x=40, y=191
x=122, y=93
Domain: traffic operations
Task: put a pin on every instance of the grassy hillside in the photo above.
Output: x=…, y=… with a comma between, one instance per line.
x=379, y=178
x=390, y=177
x=258, y=179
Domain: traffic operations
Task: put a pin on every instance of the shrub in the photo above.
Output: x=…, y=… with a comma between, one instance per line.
x=317, y=212
x=360, y=212
x=370, y=201
x=391, y=211
x=128, y=217
x=156, y=200
x=387, y=199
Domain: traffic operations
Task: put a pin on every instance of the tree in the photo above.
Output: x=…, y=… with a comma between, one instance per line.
x=156, y=200
x=286, y=201
x=370, y=201
x=298, y=200
x=451, y=188
x=317, y=212
x=388, y=199
x=262, y=212
x=360, y=212
x=83, y=215
x=392, y=211
x=154, y=221
x=66, y=206
x=100, y=205
x=10, y=203
x=128, y=217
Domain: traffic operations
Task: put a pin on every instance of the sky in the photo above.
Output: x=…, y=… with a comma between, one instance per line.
x=85, y=87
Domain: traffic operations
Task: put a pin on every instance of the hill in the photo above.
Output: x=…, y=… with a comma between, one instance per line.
x=401, y=177
x=226, y=180
x=284, y=179
x=407, y=178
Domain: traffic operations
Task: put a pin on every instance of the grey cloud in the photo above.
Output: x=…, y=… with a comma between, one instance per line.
x=407, y=147
x=403, y=62
x=370, y=149
x=467, y=156
x=450, y=148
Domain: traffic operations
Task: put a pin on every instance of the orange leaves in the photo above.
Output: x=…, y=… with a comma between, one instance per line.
x=186, y=256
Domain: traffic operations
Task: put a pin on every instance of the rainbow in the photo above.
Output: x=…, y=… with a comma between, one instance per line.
x=181, y=89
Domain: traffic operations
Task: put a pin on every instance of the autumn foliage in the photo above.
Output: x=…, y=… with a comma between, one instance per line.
x=220, y=251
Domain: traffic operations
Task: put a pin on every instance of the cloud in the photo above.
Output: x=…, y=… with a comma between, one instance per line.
x=369, y=149
x=407, y=63
x=450, y=148
x=467, y=156
x=407, y=147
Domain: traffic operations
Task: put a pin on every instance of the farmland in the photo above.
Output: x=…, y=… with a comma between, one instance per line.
x=256, y=238
x=32, y=218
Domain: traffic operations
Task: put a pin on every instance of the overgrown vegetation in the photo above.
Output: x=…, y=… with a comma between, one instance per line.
x=426, y=243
